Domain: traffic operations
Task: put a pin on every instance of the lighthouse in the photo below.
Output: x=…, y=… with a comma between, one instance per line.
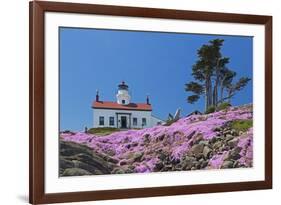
x=123, y=113
x=123, y=96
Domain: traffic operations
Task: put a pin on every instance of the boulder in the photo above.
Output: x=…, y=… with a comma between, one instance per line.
x=228, y=137
x=227, y=164
x=207, y=151
x=235, y=153
x=204, y=164
x=217, y=145
x=87, y=167
x=233, y=143
x=80, y=157
x=64, y=163
x=75, y=172
x=197, y=149
x=158, y=166
x=234, y=133
x=188, y=162
x=123, y=162
x=137, y=156
x=118, y=171
x=198, y=138
x=204, y=142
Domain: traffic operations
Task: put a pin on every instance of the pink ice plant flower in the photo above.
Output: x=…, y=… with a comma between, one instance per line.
x=177, y=139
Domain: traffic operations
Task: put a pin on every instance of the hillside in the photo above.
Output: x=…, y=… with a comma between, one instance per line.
x=222, y=139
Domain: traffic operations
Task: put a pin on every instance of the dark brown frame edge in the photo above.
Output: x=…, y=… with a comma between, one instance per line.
x=36, y=106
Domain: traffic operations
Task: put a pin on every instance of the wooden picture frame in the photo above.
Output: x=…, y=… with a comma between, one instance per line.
x=37, y=150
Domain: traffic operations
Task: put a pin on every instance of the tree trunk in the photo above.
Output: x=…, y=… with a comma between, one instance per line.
x=206, y=96
x=210, y=92
x=221, y=93
x=229, y=96
x=215, y=93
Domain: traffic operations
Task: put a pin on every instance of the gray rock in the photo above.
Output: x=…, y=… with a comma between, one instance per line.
x=233, y=143
x=227, y=164
x=112, y=160
x=82, y=158
x=162, y=156
x=226, y=131
x=137, y=156
x=217, y=129
x=236, y=150
x=188, y=162
x=204, y=142
x=193, y=168
x=199, y=156
x=118, y=171
x=234, y=156
x=206, y=152
x=204, y=164
x=228, y=137
x=198, y=138
x=213, y=140
x=75, y=172
x=71, y=148
x=158, y=166
x=132, y=167
x=217, y=145
x=197, y=149
x=236, y=164
x=87, y=167
x=64, y=163
x=123, y=162
x=175, y=161
x=234, y=133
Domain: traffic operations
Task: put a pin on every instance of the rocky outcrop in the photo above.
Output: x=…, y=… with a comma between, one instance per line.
x=195, y=142
x=77, y=160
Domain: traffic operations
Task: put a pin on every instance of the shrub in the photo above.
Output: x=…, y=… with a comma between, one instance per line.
x=103, y=130
x=241, y=125
x=210, y=109
x=223, y=106
x=169, y=122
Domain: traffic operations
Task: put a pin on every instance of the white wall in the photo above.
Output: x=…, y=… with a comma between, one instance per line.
x=14, y=101
x=155, y=120
x=111, y=113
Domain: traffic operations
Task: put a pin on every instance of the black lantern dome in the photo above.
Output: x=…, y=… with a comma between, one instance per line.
x=123, y=86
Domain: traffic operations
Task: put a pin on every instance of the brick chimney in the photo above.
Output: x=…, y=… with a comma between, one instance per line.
x=147, y=100
x=97, y=96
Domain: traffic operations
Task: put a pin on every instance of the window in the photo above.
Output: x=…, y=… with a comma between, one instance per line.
x=111, y=121
x=101, y=120
x=135, y=121
x=123, y=101
x=143, y=121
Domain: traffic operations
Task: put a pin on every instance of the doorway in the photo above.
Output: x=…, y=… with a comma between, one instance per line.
x=123, y=122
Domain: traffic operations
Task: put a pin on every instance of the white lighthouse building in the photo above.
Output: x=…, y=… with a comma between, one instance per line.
x=123, y=113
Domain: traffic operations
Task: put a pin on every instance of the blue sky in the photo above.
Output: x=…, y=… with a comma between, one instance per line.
x=154, y=63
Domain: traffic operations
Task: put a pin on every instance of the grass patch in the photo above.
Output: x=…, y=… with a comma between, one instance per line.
x=241, y=125
x=169, y=122
x=210, y=109
x=223, y=106
x=101, y=131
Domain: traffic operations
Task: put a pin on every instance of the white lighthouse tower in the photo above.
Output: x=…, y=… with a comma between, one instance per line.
x=123, y=97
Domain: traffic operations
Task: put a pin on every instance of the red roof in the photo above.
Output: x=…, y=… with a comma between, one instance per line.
x=116, y=106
